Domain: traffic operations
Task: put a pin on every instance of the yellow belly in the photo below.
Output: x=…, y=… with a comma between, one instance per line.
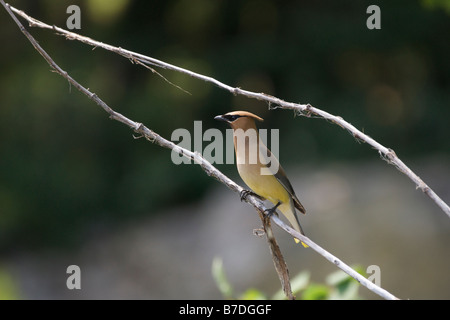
x=266, y=186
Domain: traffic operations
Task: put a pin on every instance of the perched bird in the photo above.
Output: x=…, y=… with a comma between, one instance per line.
x=260, y=169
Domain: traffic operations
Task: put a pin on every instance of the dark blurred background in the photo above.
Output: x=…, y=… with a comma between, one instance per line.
x=69, y=176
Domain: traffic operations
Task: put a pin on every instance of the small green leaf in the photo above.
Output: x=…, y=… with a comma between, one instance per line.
x=253, y=294
x=300, y=281
x=220, y=278
x=345, y=287
x=316, y=292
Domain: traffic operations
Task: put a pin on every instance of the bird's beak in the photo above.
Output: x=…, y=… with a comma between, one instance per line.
x=221, y=118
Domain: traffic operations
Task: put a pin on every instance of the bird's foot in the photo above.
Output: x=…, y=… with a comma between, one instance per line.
x=271, y=211
x=244, y=193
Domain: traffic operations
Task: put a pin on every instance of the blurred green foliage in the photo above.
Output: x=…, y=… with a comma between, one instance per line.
x=437, y=4
x=66, y=170
x=8, y=287
x=338, y=286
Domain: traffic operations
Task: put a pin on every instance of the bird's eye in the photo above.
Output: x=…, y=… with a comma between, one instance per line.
x=232, y=117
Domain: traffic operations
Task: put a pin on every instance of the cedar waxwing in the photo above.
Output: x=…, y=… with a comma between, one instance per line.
x=259, y=169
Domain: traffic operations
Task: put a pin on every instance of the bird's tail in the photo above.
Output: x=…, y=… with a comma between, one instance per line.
x=303, y=244
x=288, y=210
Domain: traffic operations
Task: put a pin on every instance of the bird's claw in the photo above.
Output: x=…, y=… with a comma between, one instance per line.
x=273, y=210
x=244, y=193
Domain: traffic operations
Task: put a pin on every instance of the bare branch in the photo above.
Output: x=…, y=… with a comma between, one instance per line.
x=302, y=109
x=209, y=169
x=277, y=256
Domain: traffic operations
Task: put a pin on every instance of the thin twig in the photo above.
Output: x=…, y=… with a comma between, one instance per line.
x=211, y=171
x=277, y=257
x=386, y=154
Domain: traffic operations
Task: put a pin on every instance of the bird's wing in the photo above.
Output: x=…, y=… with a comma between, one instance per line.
x=282, y=178
x=280, y=175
